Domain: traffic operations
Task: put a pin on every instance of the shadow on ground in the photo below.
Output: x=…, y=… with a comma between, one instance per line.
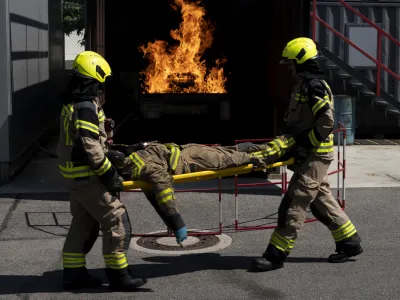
x=44, y=196
x=155, y=267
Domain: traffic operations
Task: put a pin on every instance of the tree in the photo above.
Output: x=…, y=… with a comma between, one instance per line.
x=74, y=19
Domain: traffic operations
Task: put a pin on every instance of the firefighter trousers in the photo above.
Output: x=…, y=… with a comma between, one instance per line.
x=197, y=158
x=93, y=208
x=309, y=187
x=151, y=165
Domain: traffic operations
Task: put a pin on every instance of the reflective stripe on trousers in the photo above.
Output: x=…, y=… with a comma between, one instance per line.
x=344, y=232
x=115, y=261
x=73, y=260
x=281, y=243
x=165, y=196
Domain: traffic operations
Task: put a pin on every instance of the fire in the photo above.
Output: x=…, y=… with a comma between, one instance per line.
x=180, y=68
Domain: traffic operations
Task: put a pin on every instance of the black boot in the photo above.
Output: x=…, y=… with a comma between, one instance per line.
x=121, y=280
x=346, y=249
x=344, y=255
x=262, y=264
x=79, y=278
x=271, y=259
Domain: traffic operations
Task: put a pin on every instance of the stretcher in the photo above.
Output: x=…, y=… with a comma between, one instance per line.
x=207, y=175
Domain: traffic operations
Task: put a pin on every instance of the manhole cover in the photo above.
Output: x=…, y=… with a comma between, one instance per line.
x=193, y=244
x=169, y=243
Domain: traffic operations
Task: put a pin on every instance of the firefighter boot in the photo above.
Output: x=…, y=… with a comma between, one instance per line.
x=346, y=249
x=79, y=278
x=271, y=259
x=121, y=280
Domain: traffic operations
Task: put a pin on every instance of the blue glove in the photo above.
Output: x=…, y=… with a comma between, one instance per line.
x=181, y=234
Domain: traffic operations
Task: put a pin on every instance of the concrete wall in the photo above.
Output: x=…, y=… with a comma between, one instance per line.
x=35, y=58
x=5, y=83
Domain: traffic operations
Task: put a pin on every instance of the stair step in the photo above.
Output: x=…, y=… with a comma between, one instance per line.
x=367, y=92
x=381, y=102
x=355, y=83
x=343, y=74
x=394, y=111
x=331, y=66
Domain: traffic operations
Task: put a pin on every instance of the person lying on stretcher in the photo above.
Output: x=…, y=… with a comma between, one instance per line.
x=156, y=163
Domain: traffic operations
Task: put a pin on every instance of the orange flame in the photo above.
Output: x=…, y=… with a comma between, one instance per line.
x=179, y=69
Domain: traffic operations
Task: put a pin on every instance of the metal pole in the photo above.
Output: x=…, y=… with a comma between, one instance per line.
x=338, y=163
x=344, y=167
x=314, y=21
x=378, y=65
x=236, y=203
x=220, y=206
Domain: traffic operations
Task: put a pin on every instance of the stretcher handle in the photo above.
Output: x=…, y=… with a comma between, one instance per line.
x=206, y=175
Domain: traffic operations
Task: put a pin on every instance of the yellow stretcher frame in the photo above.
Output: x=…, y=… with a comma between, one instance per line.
x=207, y=175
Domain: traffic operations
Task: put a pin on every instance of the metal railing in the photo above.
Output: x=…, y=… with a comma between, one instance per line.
x=379, y=65
x=283, y=183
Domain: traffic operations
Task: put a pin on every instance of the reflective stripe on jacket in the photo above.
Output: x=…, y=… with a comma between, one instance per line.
x=82, y=144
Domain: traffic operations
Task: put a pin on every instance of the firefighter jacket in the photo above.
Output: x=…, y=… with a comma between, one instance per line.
x=169, y=151
x=310, y=118
x=81, y=149
x=309, y=125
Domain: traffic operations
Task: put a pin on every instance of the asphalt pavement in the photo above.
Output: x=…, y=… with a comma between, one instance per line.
x=34, y=218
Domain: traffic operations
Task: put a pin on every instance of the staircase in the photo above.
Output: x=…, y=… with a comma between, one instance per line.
x=365, y=88
x=355, y=83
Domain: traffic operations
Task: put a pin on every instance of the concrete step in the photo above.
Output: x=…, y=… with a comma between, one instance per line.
x=355, y=83
x=367, y=92
x=343, y=74
x=331, y=66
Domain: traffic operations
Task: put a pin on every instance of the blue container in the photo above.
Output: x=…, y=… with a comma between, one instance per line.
x=345, y=113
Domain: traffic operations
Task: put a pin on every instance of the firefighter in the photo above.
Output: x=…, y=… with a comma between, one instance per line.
x=92, y=181
x=308, y=137
x=156, y=163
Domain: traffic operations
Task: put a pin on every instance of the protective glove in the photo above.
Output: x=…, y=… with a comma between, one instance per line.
x=181, y=234
x=112, y=181
x=257, y=162
x=117, y=158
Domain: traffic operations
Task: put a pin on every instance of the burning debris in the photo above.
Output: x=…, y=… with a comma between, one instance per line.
x=180, y=68
x=183, y=80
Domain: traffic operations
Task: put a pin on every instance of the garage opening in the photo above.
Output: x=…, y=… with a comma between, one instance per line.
x=196, y=71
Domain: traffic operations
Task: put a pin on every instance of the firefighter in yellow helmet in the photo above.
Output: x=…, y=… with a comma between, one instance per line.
x=308, y=137
x=92, y=181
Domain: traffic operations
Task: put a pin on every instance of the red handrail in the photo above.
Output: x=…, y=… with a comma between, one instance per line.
x=381, y=32
x=365, y=19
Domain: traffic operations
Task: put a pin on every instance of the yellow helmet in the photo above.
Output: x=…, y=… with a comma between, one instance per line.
x=93, y=65
x=300, y=49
